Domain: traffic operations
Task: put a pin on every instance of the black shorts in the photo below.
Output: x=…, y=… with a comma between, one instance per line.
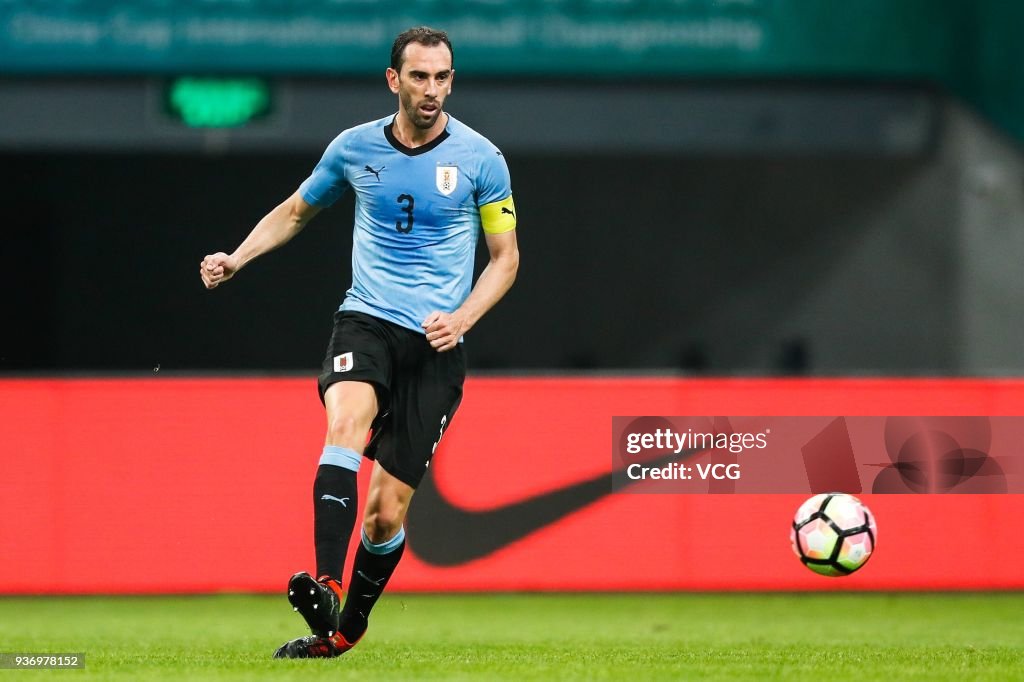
x=418, y=389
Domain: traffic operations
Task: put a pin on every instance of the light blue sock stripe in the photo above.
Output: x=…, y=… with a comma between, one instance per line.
x=385, y=547
x=346, y=458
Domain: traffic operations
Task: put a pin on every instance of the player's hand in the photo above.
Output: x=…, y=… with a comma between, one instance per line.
x=217, y=268
x=444, y=330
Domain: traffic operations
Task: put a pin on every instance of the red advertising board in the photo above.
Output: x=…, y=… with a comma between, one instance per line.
x=198, y=485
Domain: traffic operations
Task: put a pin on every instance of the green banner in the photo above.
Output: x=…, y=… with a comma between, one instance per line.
x=972, y=46
x=351, y=37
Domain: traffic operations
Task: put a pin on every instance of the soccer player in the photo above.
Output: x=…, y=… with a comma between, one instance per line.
x=425, y=184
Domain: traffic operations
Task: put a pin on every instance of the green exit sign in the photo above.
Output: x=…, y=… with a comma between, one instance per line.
x=205, y=102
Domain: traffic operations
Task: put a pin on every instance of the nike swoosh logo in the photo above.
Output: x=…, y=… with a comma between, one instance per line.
x=442, y=534
x=343, y=500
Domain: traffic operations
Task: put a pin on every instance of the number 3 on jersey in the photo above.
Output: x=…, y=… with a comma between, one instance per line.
x=410, y=203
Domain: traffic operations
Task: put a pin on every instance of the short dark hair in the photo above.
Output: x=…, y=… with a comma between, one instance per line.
x=423, y=35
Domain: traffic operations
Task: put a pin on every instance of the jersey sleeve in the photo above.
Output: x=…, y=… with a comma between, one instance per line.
x=494, y=194
x=327, y=182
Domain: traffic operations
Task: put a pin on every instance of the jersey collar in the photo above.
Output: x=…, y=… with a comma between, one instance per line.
x=414, y=151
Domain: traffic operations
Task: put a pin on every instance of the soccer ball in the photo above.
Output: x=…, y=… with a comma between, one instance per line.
x=833, y=534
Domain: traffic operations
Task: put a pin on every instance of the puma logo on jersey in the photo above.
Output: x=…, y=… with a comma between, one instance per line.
x=505, y=209
x=376, y=173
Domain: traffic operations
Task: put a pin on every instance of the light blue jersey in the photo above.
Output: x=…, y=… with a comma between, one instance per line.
x=418, y=215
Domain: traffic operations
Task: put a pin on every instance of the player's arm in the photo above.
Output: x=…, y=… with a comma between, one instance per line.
x=274, y=230
x=443, y=329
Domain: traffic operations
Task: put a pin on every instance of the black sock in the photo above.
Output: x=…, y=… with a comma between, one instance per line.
x=371, y=571
x=334, y=509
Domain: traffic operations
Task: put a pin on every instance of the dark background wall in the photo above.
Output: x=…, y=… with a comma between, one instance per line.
x=705, y=228
x=627, y=261
x=760, y=187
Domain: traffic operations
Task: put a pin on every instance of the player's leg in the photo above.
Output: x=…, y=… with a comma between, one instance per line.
x=351, y=407
x=424, y=398
x=355, y=370
x=378, y=554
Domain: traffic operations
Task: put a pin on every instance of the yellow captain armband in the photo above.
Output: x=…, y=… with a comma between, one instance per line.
x=498, y=216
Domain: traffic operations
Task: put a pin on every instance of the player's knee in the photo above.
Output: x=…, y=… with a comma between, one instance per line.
x=383, y=524
x=346, y=431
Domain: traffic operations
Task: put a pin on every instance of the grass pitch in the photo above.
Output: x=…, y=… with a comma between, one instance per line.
x=538, y=637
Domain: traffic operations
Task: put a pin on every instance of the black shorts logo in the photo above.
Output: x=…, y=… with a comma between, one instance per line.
x=343, y=362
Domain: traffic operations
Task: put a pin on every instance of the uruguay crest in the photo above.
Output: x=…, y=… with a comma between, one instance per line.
x=343, y=362
x=447, y=179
